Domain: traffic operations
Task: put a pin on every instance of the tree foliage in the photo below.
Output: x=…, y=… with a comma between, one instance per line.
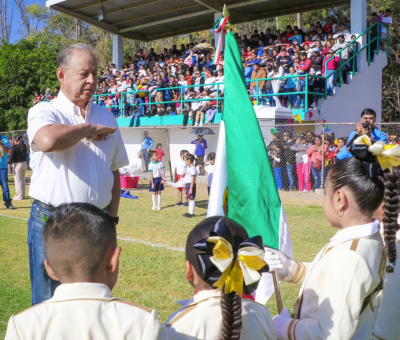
x=25, y=67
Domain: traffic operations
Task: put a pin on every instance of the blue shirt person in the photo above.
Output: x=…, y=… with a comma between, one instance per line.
x=147, y=144
x=4, y=148
x=200, y=151
x=367, y=116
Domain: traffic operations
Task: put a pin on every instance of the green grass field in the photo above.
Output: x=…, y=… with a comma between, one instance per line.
x=150, y=275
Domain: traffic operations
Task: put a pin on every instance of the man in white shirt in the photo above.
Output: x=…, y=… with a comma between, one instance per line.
x=76, y=153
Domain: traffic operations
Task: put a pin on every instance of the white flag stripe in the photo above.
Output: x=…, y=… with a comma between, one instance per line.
x=266, y=287
x=220, y=177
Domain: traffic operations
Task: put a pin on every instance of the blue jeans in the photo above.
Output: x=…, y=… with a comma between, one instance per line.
x=301, y=86
x=211, y=114
x=329, y=85
x=4, y=186
x=261, y=100
x=272, y=102
x=278, y=178
x=135, y=119
x=289, y=170
x=292, y=97
x=146, y=159
x=42, y=286
x=317, y=177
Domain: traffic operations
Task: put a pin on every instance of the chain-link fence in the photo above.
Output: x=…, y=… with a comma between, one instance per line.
x=300, y=154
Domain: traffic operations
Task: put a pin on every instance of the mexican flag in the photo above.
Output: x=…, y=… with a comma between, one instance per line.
x=242, y=166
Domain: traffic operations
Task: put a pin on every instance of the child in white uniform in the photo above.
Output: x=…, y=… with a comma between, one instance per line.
x=210, y=170
x=157, y=179
x=214, y=314
x=82, y=306
x=337, y=287
x=190, y=184
x=180, y=171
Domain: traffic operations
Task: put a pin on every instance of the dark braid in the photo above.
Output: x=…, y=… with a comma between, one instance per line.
x=231, y=308
x=390, y=214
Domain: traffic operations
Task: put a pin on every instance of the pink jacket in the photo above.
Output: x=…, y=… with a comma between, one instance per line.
x=332, y=64
x=316, y=156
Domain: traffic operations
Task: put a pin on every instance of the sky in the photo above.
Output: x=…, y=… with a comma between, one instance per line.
x=16, y=24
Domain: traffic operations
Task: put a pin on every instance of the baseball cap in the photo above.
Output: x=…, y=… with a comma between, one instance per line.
x=316, y=50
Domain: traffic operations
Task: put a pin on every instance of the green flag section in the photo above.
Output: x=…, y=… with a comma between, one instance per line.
x=243, y=182
x=253, y=198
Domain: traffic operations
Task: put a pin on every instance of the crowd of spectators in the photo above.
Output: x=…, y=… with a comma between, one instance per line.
x=156, y=83
x=46, y=96
x=298, y=162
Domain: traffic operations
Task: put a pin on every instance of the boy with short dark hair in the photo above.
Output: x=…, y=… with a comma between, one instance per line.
x=81, y=251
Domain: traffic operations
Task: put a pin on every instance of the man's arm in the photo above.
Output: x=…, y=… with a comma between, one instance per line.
x=115, y=195
x=59, y=137
x=151, y=144
x=4, y=147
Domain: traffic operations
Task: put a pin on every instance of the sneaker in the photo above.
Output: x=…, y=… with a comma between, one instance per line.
x=11, y=207
x=186, y=204
x=154, y=207
x=207, y=123
x=201, y=124
x=158, y=208
x=196, y=124
x=187, y=215
x=179, y=203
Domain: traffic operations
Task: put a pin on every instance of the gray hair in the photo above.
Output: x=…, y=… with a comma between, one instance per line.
x=65, y=55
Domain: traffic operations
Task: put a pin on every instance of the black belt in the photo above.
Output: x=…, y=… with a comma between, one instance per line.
x=44, y=205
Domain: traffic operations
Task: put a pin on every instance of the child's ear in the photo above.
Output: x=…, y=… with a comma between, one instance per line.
x=189, y=271
x=50, y=271
x=113, y=259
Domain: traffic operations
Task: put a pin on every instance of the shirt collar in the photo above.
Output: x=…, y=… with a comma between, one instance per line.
x=200, y=296
x=154, y=162
x=81, y=290
x=357, y=231
x=65, y=102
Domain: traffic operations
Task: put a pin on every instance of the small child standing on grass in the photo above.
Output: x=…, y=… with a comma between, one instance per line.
x=210, y=170
x=160, y=152
x=190, y=184
x=157, y=178
x=180, y=171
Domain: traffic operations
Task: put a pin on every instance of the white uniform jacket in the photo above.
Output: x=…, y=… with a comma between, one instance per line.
x=200, y=318
x=85, y=311
x=335, y=285
x=387, y=325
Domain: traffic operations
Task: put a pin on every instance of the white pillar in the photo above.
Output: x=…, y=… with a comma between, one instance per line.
x=216, y=17
x=358, y=16
x=118, y=50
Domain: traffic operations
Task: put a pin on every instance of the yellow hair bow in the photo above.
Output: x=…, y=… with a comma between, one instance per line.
x=245, y=267
x=387, y=154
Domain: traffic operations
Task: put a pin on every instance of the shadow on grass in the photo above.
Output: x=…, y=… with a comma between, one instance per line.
x=200, y=204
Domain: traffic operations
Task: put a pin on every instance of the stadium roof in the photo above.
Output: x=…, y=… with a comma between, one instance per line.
x=154, y=19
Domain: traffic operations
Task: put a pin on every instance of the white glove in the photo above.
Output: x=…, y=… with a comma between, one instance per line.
x=279, y=321
x=277, y=261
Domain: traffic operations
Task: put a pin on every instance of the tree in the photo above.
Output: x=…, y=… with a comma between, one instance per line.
x=5, y=22
x=25, y=67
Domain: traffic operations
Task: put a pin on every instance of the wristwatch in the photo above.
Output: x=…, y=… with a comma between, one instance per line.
x=116, y=219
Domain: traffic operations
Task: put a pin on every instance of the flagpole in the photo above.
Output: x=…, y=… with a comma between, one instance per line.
x=278, y=295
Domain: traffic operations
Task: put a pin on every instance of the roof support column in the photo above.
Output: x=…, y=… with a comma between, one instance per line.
x=118, y=50
x=358, y=25
x=217, y=35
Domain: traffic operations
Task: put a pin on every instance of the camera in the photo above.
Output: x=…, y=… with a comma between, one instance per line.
x=367, y=126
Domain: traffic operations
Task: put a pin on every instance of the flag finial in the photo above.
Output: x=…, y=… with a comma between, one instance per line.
x=225, y=12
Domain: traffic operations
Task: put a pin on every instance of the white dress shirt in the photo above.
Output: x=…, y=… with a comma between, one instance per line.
x=82, y=173
x=85, y=311
x=200, y=318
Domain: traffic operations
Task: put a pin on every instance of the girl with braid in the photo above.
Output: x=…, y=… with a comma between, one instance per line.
x=387, y=325
x=218, y=251
x=336, y=299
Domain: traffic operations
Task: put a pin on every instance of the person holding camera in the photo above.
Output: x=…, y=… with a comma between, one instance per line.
x=364, y=127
